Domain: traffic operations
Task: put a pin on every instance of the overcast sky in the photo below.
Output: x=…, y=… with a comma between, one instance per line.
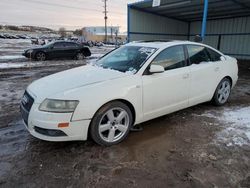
x=71, y=14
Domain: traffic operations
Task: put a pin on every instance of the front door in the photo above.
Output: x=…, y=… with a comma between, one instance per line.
x=58, y=50
x=168, y=91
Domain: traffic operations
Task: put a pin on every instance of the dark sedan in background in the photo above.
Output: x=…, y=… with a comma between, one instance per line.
x=58, y=49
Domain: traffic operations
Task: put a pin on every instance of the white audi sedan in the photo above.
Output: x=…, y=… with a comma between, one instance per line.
x=130, y=85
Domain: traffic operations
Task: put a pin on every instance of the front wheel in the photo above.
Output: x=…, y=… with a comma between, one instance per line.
x=222, y=92
x=41, y=56
x=111, y=124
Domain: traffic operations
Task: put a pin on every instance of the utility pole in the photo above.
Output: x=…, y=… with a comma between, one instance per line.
x=111, y=30
x=116, y=37
x=105, y=18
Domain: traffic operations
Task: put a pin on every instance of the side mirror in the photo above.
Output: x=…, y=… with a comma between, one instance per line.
x=222, y=58
x=156, y=69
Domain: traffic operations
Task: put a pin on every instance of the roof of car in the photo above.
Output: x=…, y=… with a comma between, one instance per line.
x=57, y=41
x=160, y=43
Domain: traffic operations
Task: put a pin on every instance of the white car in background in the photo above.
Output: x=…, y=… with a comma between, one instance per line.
x=130, y=85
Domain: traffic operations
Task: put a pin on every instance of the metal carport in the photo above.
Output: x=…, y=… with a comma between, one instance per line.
x=226, y=26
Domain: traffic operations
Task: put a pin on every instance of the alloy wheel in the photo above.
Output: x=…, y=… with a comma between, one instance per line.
x=224, y=91
x=41, y=56
x=113, y=124
x=79, y=56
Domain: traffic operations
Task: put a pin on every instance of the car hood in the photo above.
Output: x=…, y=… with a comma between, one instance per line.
x=35, y=48
x=71, y=79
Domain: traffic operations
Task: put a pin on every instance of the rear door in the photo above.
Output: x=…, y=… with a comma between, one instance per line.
x=71, y=49
x=58, y=50
x=168, y=91
x=205, y=73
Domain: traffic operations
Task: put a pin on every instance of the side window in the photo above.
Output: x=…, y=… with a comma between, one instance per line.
x=70, y=45
x=214, y=56
x=197, y=54
x=58, y=45
x=171, y=58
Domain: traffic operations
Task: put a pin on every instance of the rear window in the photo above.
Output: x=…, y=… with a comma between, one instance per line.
x=214, y=56
x=197, y=54
x=70, y=45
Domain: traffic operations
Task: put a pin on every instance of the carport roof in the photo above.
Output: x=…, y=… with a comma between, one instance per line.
x=192, y=10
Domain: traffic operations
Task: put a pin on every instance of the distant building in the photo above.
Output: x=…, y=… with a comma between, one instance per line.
x=97, y=33
x=100, y=30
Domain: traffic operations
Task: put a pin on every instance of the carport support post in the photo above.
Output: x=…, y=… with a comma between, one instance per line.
x=204, y=20
x=128, y=23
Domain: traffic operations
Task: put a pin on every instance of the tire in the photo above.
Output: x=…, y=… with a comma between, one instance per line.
x=80, y=56
x=222, y=92
x=40, y=56
x=111, y=124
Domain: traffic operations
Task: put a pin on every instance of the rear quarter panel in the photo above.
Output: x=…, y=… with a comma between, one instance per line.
x=86, y=51
x=229, y=67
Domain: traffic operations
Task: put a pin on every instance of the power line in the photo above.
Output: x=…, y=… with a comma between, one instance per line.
x=113, y=5
x=68, y=6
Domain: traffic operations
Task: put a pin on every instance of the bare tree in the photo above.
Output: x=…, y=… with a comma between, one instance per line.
x=78, y=32
x=62, y=32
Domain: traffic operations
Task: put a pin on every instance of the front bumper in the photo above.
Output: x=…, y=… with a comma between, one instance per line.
x=44, y=125
x=28, y=55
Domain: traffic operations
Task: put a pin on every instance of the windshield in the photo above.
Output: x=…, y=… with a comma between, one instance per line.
x=126, y=58
x=48, y=45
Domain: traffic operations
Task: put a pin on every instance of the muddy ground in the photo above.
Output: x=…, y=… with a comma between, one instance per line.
x=202, y=146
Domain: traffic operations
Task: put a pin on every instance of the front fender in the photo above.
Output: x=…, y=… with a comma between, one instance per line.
x=93, y=96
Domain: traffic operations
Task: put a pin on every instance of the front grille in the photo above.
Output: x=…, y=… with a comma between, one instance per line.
x=25, y=114
x=26, y=104
x=27, y=101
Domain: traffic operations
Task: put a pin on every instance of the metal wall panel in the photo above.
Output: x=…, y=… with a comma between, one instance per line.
x=136, y=37
x=235, y=32
x=146, y=26
x=235, y=35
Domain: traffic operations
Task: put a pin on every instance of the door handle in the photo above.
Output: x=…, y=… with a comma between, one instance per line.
x=185, y=76
x=216, y=69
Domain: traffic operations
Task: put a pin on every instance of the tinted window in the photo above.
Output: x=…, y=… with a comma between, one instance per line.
x=197, y=54
x=59, y=45
x=70, y=45
x=171, y=58
x=214, y=56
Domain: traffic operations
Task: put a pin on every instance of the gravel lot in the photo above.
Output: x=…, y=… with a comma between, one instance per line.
x=202, y=146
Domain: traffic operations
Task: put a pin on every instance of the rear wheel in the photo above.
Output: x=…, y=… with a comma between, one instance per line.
x=222, y=92
x=111, y=124
x=80, y=56
x=40, y=56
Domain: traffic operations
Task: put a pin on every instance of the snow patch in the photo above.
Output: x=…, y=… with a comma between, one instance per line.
x=96, y=55
x=10, y=57
x=237, y=130
x=11, y=65
x=19, y=65
x=239, y=116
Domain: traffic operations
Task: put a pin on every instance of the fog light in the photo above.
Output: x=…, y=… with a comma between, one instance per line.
x=49, y=132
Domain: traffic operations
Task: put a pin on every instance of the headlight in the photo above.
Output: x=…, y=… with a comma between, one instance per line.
x=29, y=51
x=54, y=105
